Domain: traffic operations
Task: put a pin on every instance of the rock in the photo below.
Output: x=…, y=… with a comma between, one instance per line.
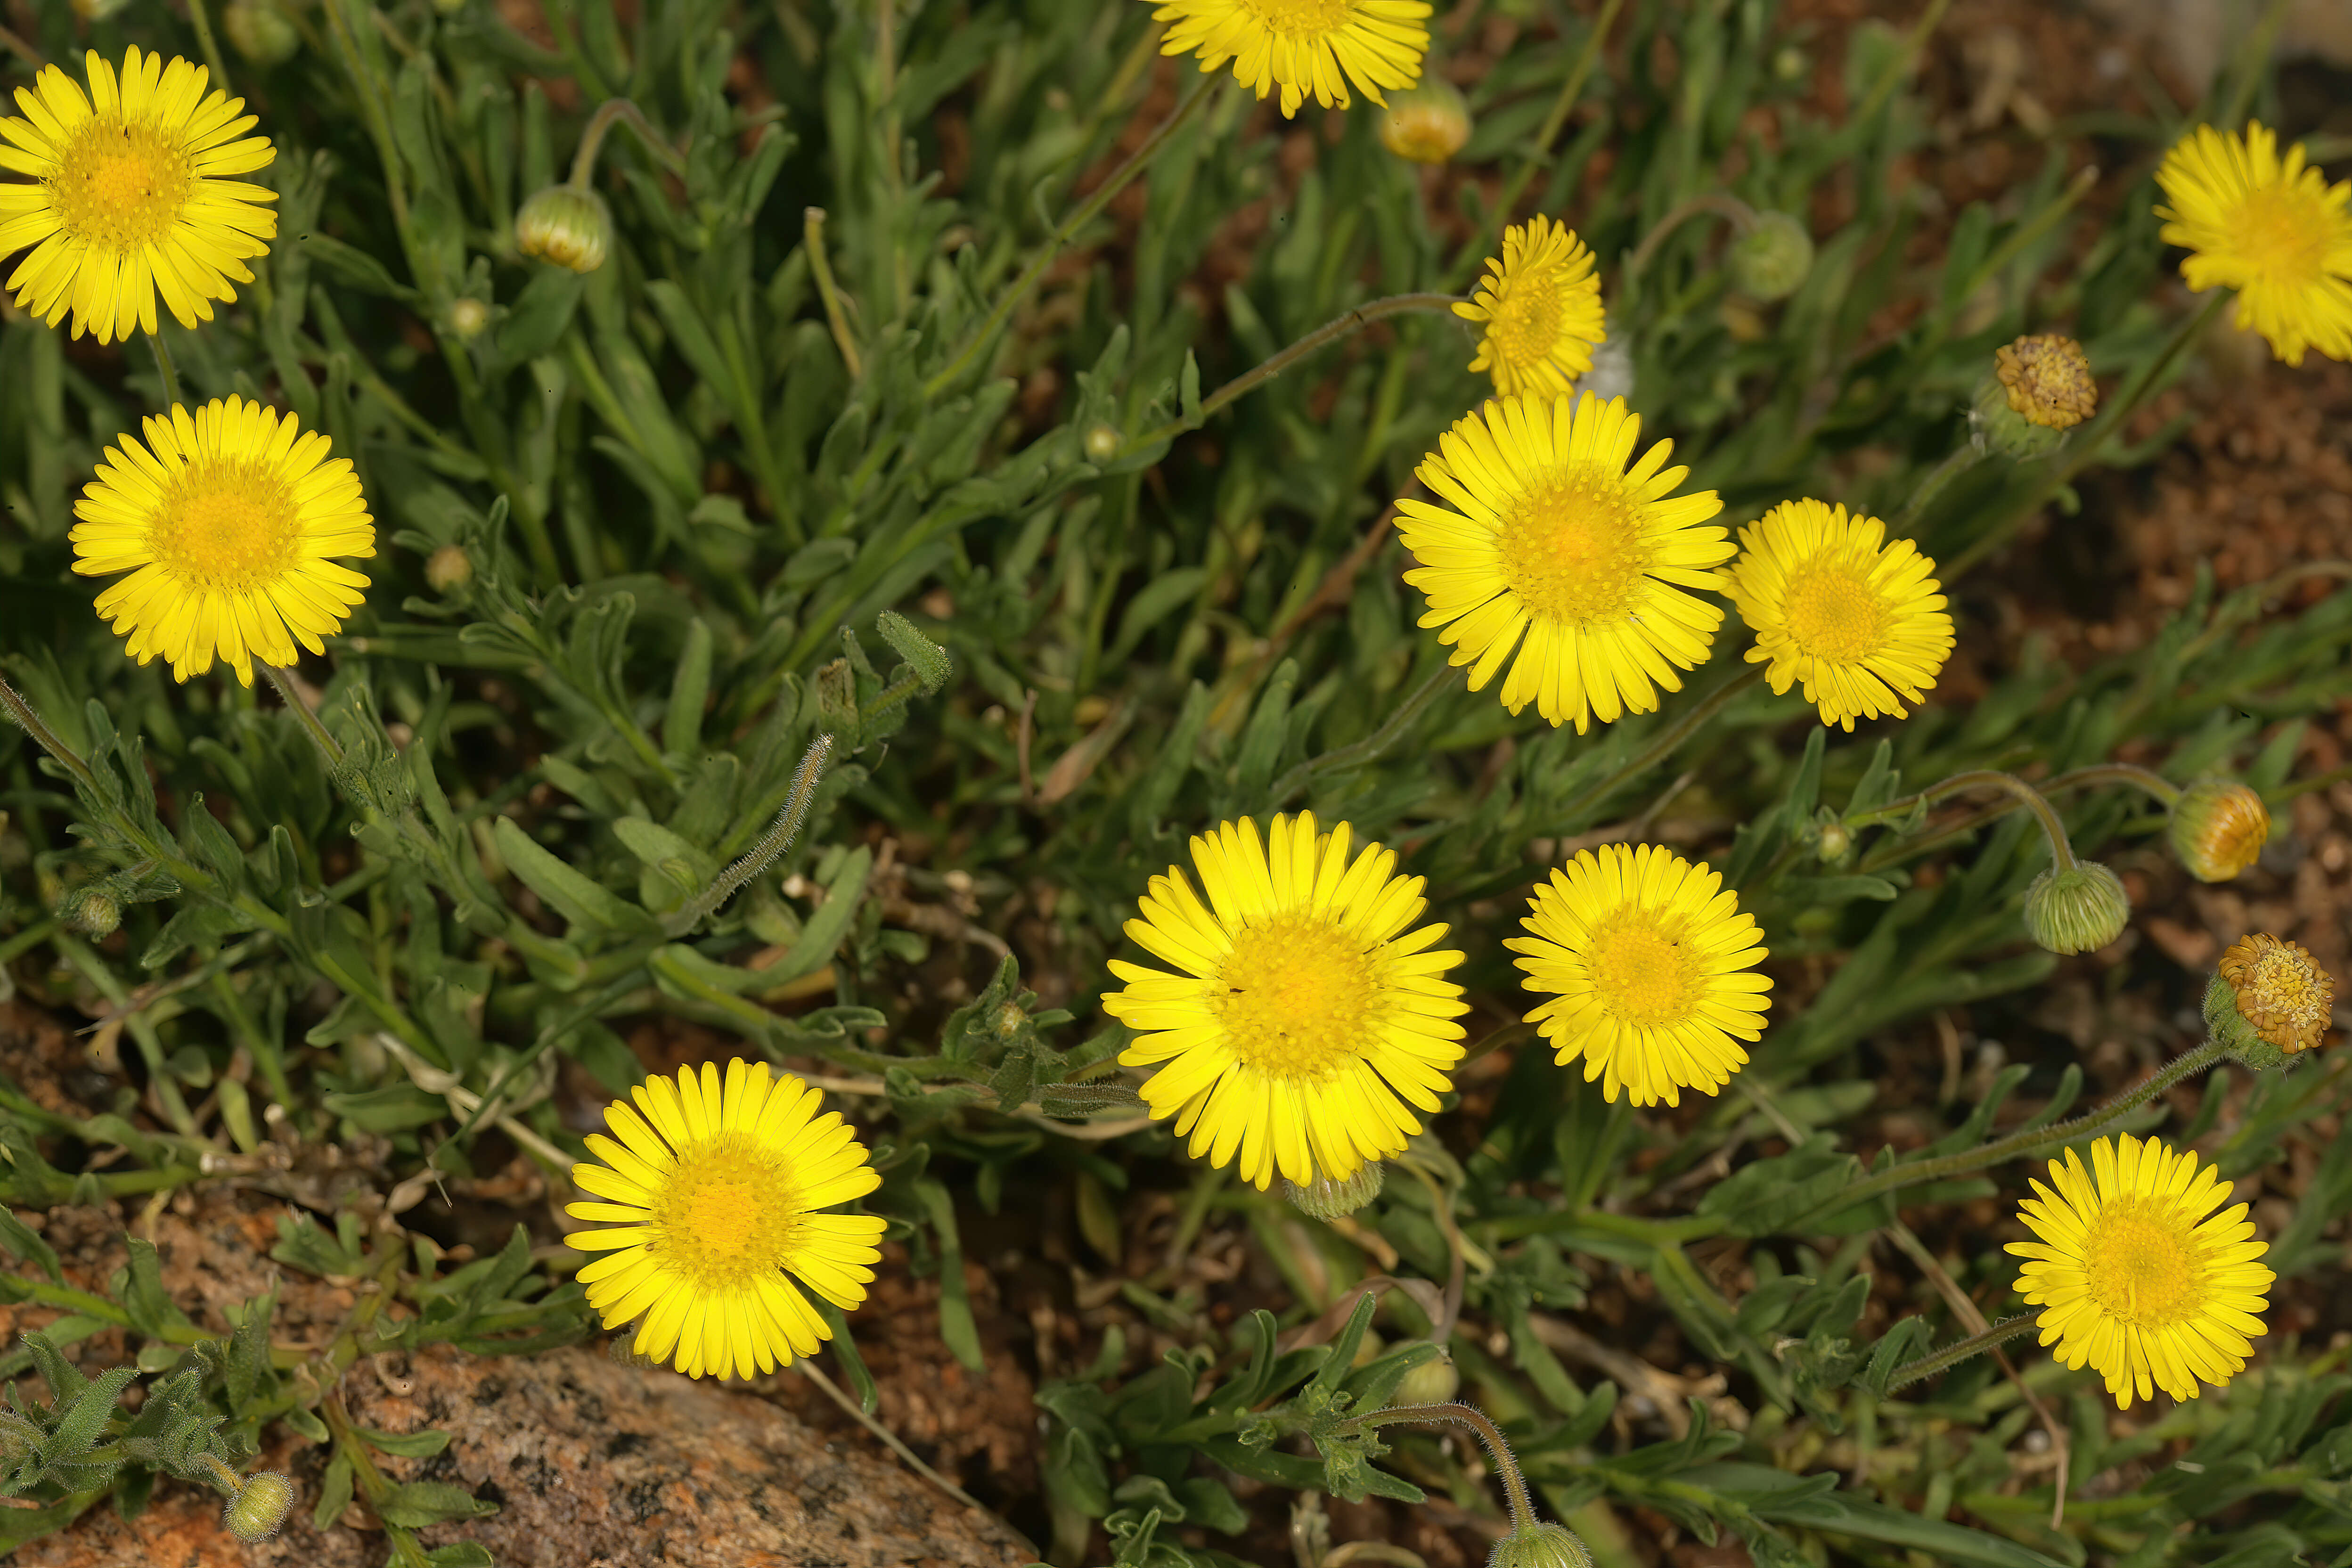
x=594, y=1464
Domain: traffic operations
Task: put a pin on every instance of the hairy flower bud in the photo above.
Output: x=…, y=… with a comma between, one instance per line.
x=2218, y=828
x=1325, y=1199
x=262, y=31
x=2269, y=1000
x=1102, y=443
x=92, y=912
x=1431, y=1383
x=259, y=1507
x=467, y=317
x=2076, y=910
x=1428, y=123
x=1835, y=844
x=1770, y=260
x=1541, y=1546
x=566, y=226
x=448, y=568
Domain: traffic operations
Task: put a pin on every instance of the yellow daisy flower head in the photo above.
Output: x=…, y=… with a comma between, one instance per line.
x=1307, y=1019
x=1651, y=968
x=1550, y=538
x=2137, y=1276
x=1305, y=47
x=716, y=1189
x=1836, y=605
x=1541, y=304
x=131, y=195
x=2278, y=990
x=2271, y=228
x=226, y=520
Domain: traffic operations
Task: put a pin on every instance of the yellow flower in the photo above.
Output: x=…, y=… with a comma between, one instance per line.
x=225, y=519
x=2272, y=229
x=1550, y=538
x=131, y=197
x=2281, y=990
x=2218, y=828
x=2134, y=1274
x=1541, y=306
x=1651, y=969
x=714, y=1192
x=1308, y=46
x=1837, y=606
x=1306, y=1020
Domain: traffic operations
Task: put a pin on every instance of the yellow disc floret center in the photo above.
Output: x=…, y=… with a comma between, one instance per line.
x=2141, y=1262
x=119, y=187
x=1296, y=996
x=2288, y=987
x=1832, y=612
x=727, y=1216
x=1526, y=323
x=2282, y=232
x=229, y=526
x=1644, y=973
x=1573, y=549
x=1301, y=18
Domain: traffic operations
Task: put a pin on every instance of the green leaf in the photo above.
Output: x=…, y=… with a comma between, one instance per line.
x=334, y=1493
x=409, y=1445
x=461, y=1555
x=420, y=1503
x=25, y=1242
x=570, y=894
x=1846, y=1514
x=86, y=1418
x=247, y=1371
x=956, y=1324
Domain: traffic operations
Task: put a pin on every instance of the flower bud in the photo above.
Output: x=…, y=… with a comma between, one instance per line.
x=1541, y=1546
x=1770, y=260
x=565, y=226
x=1431, y=1383
x=2046, y=379
x=1835, y=844
x=448, y=569
x=1325, y=1199
x=92, y=912
x=928, y=660
x=1102, y=443
x=1427, y=123
x=467, y=317
x=2269, y=1000
x=2076, y=910
x=259, y=1507
x=261, y=32
x=2218, y=828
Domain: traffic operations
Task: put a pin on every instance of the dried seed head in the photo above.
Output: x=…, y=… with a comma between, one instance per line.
x=568, y=227
x=2269, y=1000
x=1428, y=123
x=2076, y=910
x=2047, y=380
x=2218, y=828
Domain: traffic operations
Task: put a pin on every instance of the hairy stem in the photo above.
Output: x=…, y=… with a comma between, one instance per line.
x=778, y=838
x=1926, y=1366
x=613, y=111
x=1515, y=1486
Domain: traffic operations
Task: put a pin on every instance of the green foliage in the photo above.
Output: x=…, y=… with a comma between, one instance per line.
x=607, y=745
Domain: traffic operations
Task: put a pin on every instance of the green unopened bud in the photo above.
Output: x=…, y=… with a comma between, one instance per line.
x=262, y=31
x=565, y=226
x=1325, y=1199
x=92, y=912
x=2218, y=828
x=927, y=658
x=1102, y=443
x=1431, y=1383
x=2078, y=909
x=1541, y=1546
x=259, y=1507
x=1835, y=844
x=467, y=317
x=448, y=569
x=1427, y=123
x=1771, y=259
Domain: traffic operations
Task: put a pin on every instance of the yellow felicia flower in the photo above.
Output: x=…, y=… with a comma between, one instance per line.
x=1837, y=606
x=131, y=195
x=226, y=520
x=2136, y=1275
x=1304, y=1022
x=1305, y=47
x=714, y=1190
x=1541, y=308
x=1551, y=539
x=2272, y=229
x=1651, y=969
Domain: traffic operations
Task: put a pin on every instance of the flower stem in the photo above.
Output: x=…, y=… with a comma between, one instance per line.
x=163, y=367
x=1079, y=217
x=1368, y=749
x=1657, y=750
x=1515, y=1486
x=2033, y=1140
x=1926, y=1366
x=609, y=113
x=778, y=839
x=2062, y=853
x=30, y=722
x=328, y=747
x=1330, y=332
x=207, y=46
x=1742, y=216
x=821, y=267
x=1556, y=119
x=1968, y=455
